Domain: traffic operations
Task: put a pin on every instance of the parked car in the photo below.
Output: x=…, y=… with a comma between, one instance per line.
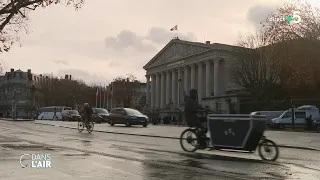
x=128, y=117
x=100, y=115
x=70, y=115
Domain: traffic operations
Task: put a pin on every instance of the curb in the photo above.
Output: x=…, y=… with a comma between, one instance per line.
x=15, y=120
x=170, y=137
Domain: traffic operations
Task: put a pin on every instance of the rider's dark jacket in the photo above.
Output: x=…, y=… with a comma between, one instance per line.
x=87, y=111
x=191, y=107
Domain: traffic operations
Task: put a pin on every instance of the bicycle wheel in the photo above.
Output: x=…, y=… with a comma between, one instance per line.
x=80, y=126
x=270, y=148
x=190, y=139
x=90, y=126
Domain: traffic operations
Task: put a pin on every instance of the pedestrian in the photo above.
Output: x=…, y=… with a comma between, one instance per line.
x=309, y=122
x=55, y=113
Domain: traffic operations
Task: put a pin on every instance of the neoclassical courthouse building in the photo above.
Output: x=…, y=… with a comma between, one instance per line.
x=183, y=65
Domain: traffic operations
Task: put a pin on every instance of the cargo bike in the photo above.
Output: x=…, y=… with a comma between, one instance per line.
x=235, y=132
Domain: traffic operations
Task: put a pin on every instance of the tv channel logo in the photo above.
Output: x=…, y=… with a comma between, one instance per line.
x=35, y=161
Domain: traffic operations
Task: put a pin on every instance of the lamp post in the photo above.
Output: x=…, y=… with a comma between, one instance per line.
x=179, y=83
x=13, y=103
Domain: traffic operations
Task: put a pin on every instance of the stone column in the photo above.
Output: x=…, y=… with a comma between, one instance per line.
x=148, y=91
x=216, y=78
x=174, y=86
x=168, y=90
x=153, y=92
x=200, y=86
x=158, y=90
x=208, y=78
x=186, y=80
x=162, y=90
x=193, y=76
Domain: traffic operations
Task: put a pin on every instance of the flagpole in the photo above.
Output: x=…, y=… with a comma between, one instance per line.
x=107, y=89
x=104, y=96
x=177, y=32
x=111, y=105
x=97, y=97
x=100, y=95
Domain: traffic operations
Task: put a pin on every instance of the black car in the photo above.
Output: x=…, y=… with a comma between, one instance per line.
x=100, y=115
x=128, y=117
x=70, y=115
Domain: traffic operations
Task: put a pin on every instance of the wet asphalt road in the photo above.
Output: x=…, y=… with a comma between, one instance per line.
x=78, y=155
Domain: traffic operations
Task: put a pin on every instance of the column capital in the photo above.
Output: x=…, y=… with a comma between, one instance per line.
x=217, y=59
x=157, y=73
x=208, y=61
x=199, y=63
x=163, y=72
x=148, y=76
x=174, y=69
x=192, y=65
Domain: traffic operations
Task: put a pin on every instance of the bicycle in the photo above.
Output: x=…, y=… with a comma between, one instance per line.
x=262, y=144
x=82, y=124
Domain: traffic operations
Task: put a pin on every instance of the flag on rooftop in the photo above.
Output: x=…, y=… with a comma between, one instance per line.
x=175, y=28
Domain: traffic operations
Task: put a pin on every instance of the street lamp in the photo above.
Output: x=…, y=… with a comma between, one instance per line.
x=179, y=82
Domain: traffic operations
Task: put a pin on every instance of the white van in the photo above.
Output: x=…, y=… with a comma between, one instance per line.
x=47, y=113
x=300, y=115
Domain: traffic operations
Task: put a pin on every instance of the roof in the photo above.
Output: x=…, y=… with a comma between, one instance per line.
x=212, y=46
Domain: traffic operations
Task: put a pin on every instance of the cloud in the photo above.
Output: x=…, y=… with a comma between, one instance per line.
x=258, y=13
x=64, y=62
x=127, y=39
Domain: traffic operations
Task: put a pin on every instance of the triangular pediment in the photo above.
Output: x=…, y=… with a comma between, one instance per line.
x=176, y=49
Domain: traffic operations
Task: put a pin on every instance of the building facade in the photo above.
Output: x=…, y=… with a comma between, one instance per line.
x=182, y=65
x=18, y=92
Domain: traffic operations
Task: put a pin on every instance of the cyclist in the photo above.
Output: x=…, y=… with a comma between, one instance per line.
x=87, y=113
x=192, y=107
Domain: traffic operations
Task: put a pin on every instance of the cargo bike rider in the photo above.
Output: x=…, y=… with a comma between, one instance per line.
x=197, y=121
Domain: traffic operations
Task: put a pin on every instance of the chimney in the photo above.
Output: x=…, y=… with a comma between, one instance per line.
x=207, y=42
x=66, y=76
x=29, y=70
x=127, y=79
x=40, y=75
x=11, y=70
x=70, y=77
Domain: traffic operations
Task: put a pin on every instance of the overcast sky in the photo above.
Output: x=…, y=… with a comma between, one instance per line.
x=108, y=38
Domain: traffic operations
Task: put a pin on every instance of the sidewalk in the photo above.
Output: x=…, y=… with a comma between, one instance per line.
x=300, y=140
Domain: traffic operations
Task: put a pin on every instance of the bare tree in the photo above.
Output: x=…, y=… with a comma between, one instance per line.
x=253, y=67
x=125, y=90
x=308, y=27
x=14, y=13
